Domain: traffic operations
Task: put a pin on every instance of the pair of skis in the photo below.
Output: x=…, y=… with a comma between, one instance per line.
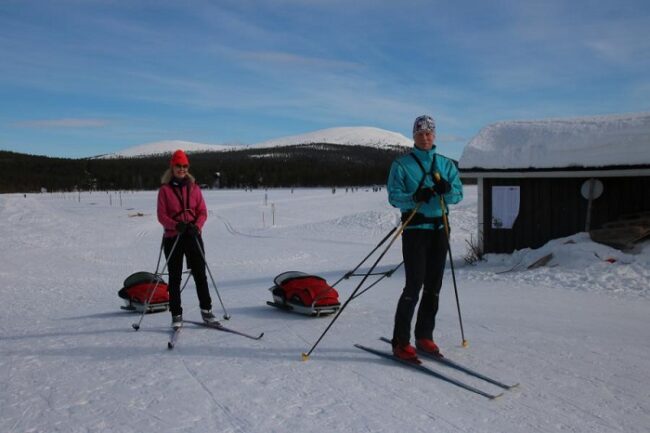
x=216, y=325
x=442, y=376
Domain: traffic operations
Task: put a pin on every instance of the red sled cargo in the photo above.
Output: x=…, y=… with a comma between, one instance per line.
x=304, y=293
x=139, y=287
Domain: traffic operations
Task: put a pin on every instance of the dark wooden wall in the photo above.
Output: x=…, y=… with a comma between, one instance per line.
x=553, y=207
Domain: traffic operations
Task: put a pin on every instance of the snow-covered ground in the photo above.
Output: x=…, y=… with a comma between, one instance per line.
x=573, y=333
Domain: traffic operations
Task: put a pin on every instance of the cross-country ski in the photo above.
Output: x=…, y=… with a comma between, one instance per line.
x=219, y=327
x=174, y=337
x=448, y=362
x=427, y=370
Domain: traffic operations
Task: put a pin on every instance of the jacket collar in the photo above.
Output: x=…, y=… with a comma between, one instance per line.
x=424, y=155
x=178, y=182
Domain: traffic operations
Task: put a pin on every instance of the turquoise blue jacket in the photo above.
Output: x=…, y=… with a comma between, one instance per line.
x=405, y=176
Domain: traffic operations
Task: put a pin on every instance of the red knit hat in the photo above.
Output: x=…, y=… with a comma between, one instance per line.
x=179, y=158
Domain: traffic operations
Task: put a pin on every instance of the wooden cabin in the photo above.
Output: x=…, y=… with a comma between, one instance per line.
x=546, y=179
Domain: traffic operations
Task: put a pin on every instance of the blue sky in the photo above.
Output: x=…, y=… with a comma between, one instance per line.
x=82, y=77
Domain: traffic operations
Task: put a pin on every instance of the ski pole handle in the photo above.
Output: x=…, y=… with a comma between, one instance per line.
x=436, y=176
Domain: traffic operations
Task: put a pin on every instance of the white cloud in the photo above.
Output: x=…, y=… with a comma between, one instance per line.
x=63, y=123
x=292, y=60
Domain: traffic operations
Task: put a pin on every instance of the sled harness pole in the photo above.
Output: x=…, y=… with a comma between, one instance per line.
x=383, y=275
x=226, y=316
x=349, y=274
x=158, y=264
x=451, y=262
x=136, y=326
x=400, y=229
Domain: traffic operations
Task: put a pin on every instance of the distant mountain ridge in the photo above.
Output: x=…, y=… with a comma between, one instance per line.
x=359, y=135
x=167, y=146
x=354, y=136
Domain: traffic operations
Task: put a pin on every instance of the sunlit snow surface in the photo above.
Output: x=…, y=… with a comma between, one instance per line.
x=574, y=333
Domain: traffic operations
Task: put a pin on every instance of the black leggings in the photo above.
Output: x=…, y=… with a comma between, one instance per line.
x=186, y=247
x=425, y=253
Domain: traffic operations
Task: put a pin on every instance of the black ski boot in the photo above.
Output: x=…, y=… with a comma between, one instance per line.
x=177, y=321
x=208, y=317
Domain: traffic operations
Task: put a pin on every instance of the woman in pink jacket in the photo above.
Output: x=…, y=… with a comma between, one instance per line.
x=182, y=213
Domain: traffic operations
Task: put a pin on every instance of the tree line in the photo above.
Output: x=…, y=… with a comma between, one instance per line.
x=308, y=165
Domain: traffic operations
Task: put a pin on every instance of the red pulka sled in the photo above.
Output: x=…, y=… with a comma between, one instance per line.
x=143, y=286
x=304, y=293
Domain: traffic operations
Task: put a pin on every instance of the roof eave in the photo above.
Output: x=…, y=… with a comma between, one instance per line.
x=609, y=171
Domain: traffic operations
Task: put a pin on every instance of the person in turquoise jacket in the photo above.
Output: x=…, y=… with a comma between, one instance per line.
x=420, y=179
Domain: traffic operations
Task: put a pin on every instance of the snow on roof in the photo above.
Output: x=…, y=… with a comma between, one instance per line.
x=597, y=141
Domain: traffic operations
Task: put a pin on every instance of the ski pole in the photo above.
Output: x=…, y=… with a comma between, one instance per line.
x=136, y=326
x=305, y=356
x=226, y=316
x=187, y=280
x=451, y=261
x=383, y=275
x=347, y=274
x=162, y=244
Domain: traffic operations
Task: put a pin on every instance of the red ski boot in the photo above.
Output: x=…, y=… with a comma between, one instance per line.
x=406, y=352
x=427, y=345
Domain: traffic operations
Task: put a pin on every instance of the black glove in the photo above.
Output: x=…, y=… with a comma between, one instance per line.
x=442, y=187
x=423, y=195
x=192, y=229
x=181, y=227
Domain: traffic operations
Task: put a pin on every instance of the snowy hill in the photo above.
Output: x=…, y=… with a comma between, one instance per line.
x=556, y=143
x=166, y=147
x=361, y=135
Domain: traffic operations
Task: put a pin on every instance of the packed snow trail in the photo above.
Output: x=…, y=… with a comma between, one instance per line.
x=70, y=361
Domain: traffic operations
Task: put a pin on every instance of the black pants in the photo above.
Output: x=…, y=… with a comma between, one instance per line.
x=425, y=253
x=186, y=247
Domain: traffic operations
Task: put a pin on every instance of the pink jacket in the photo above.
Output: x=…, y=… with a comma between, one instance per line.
x=171, y=210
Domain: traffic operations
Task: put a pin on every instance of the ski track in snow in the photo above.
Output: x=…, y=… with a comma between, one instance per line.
x=573, y=334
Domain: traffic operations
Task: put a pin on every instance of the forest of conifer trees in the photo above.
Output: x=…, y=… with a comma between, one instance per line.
x=290, y=166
